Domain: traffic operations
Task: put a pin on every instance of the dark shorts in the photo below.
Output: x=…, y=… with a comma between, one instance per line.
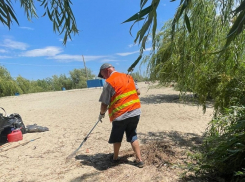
x=128, y=126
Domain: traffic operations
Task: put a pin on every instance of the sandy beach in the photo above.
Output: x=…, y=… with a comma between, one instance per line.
x=71, y=114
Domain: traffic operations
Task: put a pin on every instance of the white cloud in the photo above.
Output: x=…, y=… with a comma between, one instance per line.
x=61, y=40
x=129, y=53
x=14, y=44
x=149, y=39
x=91, y=58
x=27, y=28
x=4, y=57
x=109, y=60
x=148, y=49
x=67, y=57
x=126, y=53
x=47, y=51
x=70, y=58
x=3, y=51
x=131, y=45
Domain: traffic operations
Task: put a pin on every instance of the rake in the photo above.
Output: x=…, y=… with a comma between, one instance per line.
x=84, y=140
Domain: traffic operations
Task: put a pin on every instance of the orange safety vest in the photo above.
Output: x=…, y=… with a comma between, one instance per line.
x=125, y=98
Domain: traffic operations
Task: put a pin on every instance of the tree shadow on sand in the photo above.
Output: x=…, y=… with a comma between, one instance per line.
x=169, y=150
x=86, y=177
x=188, y=99
x=101, y=161
x=165, y=150
x=179, y=138
x=160, y=98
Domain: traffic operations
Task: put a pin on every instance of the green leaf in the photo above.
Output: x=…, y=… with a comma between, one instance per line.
x=206, y=166
x=62, y=29
x=57, y=17
x=62, y=19
x=234, y=151
x=179, y=13
x=43, y=2
x=187, y=22
x=144, y=41
x=133, y=25
x=3, y=21
x=65, y=39
x=236, y=28
x=138, y=34
x=3, y=13
x=45, y=6
x=44, y=14
x=145, y=28
x=239, y=145
x=239, y=8
x=181, y=2
x=140, y=14
x=49, y=14
x=183, y=7
x=135, y=63
x=142, y=3
x=67, y=22
x=13, y=16
x=154, y=27
x=5, y=9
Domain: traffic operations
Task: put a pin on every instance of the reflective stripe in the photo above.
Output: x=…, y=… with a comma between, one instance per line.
x=123, y=106
x=121, y=96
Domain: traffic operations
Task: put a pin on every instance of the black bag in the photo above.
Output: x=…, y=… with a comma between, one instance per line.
x=8, y=123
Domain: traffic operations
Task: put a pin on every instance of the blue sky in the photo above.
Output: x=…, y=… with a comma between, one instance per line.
x=34, y=51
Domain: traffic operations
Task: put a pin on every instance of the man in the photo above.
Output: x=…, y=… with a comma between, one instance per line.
x=120, y=98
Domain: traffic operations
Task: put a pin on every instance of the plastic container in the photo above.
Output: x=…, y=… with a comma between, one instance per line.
x=15, y=136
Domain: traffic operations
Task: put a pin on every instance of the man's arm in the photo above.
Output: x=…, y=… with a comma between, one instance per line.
x=105, y=99
x=103, y=108
x=138, y=91
x=137, y=88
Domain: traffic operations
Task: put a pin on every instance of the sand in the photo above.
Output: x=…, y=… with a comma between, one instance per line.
x=71, y=114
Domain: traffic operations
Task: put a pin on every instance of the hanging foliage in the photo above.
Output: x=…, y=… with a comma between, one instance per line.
x=188, y=58
x=230, y=11
x=59, y=13
x=192, y=58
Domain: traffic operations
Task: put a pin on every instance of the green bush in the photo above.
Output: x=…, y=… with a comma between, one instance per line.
x=24, y=84
x=8, y=86
x=223, y=150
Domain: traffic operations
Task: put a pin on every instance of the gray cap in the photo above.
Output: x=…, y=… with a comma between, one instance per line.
x=104, y=66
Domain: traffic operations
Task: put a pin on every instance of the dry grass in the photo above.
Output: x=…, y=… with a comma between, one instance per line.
x=159, y=154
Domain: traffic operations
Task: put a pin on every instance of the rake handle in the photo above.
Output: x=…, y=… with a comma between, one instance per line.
x=84, y=140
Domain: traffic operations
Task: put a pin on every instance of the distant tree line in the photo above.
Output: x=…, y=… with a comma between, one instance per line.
x=137, y=76
x=76, y=80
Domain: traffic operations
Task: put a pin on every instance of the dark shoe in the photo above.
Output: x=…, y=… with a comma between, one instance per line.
x=139, y=164
x=113, y=161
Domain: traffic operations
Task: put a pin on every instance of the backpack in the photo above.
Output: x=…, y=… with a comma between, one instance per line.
x=9, y=123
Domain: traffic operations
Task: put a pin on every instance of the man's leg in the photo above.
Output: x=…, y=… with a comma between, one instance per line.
x=116, y=147
x=136, y=148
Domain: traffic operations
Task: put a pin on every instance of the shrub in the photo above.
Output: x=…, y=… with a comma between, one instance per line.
x=223, y=151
